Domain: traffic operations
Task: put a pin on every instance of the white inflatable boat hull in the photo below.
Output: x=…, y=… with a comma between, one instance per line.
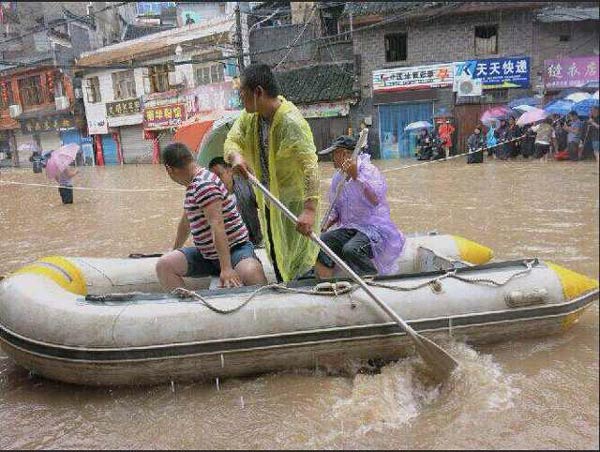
x=50, y=327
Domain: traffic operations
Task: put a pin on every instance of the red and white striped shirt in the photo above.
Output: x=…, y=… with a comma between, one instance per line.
x=205, y=189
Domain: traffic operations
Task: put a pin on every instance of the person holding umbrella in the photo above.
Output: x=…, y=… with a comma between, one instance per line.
x=58, y=168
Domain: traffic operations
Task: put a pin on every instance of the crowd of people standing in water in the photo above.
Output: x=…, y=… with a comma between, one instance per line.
x=560, y=138
x=555, y=137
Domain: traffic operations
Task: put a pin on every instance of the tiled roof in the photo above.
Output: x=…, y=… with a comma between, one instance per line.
x=323, y=83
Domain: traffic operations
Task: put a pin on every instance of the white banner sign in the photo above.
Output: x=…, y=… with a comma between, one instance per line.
x=415, y=77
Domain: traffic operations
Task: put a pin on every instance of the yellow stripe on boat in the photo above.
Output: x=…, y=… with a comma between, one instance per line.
x=59, y=270
x=472, y=252
x=574, y=284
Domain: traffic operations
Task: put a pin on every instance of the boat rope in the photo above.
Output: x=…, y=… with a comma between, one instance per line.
x=436, y=282
x=454, y=156
x=114, y=190
x=322, y=289
x=329, y=289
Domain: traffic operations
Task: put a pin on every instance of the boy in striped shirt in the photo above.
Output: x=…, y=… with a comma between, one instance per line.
x=221, y=243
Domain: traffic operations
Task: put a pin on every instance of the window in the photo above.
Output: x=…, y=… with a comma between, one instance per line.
x=395, y=47
x=564, y=38
x=159, y=78
x=222, y=8
x=123, y=85
x=486, y=39
x=93, y=90
x=206, y=75
x=30, y=91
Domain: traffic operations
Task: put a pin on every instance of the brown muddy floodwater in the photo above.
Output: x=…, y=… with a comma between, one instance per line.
x=534, y=394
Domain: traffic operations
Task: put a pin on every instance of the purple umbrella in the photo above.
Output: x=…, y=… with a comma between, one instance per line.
x=495, y=113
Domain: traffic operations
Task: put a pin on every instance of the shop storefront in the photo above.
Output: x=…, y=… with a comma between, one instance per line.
x=160, y=122
x=482, y=84
x=405, y=95
x=125, y=117
x=48, y=133
x=579, y=72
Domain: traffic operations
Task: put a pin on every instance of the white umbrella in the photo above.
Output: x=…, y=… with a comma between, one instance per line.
x=523, y=108
x=418, y=125
x=578, y=97
x=595, y=95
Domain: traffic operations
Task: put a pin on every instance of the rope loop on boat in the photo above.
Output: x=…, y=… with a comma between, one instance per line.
x=436, y=282
x=322, y=289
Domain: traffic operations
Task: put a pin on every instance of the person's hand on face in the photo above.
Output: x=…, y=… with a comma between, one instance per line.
x=350, y=167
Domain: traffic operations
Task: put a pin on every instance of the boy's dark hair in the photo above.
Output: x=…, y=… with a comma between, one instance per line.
x=177, y=155
x=260, y=75
x=218, y=161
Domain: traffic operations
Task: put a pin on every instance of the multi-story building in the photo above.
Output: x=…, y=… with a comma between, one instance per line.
x=418, y=60
x=39, y=98
x=137, y=92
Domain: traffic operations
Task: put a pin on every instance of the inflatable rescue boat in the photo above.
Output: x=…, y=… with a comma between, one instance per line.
x=106, y=322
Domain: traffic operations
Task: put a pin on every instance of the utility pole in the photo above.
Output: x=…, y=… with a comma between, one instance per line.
x=239, y=42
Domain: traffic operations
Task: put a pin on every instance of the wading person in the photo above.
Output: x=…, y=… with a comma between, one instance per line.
x=475, y=144
x=244, y=196
x=573, y=129
x=366, y=238
x=65, y=180
x=544, y=137
x=273, y=140
x=445, y=133
x=593, y=132
x=221, y=245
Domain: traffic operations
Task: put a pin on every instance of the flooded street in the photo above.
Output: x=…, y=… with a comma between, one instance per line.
x=533, y=394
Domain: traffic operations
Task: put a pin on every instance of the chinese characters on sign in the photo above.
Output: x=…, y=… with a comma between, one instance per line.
x=163, y=116
x=570, y=72
x=123, y=108
x=495, y=73
x=417, y=77
x=55, y=124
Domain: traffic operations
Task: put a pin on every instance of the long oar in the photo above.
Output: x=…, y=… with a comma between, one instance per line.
x=361, y=142
x=438, y=359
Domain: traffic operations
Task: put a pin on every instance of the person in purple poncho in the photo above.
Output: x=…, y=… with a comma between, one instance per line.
x=365, y=236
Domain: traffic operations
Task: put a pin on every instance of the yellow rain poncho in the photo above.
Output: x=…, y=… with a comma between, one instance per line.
x=293, y=178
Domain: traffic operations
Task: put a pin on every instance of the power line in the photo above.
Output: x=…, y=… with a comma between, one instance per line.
x=314, y=9
x=37, y=29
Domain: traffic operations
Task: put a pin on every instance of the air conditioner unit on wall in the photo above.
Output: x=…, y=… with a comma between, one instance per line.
x=15, y=110
x=469, y=87
x=62, y=103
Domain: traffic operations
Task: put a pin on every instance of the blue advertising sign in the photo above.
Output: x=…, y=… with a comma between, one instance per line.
x=496, y=72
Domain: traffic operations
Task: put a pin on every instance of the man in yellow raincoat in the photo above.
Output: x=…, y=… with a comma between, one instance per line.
x=272, y=140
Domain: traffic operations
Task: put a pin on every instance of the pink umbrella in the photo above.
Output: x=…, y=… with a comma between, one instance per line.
x=60, y=159
x=531, y=116
x=495, y=113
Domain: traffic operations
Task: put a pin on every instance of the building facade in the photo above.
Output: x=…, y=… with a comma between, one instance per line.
x=175, y=75
x=408, y=66
x=40, y=100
